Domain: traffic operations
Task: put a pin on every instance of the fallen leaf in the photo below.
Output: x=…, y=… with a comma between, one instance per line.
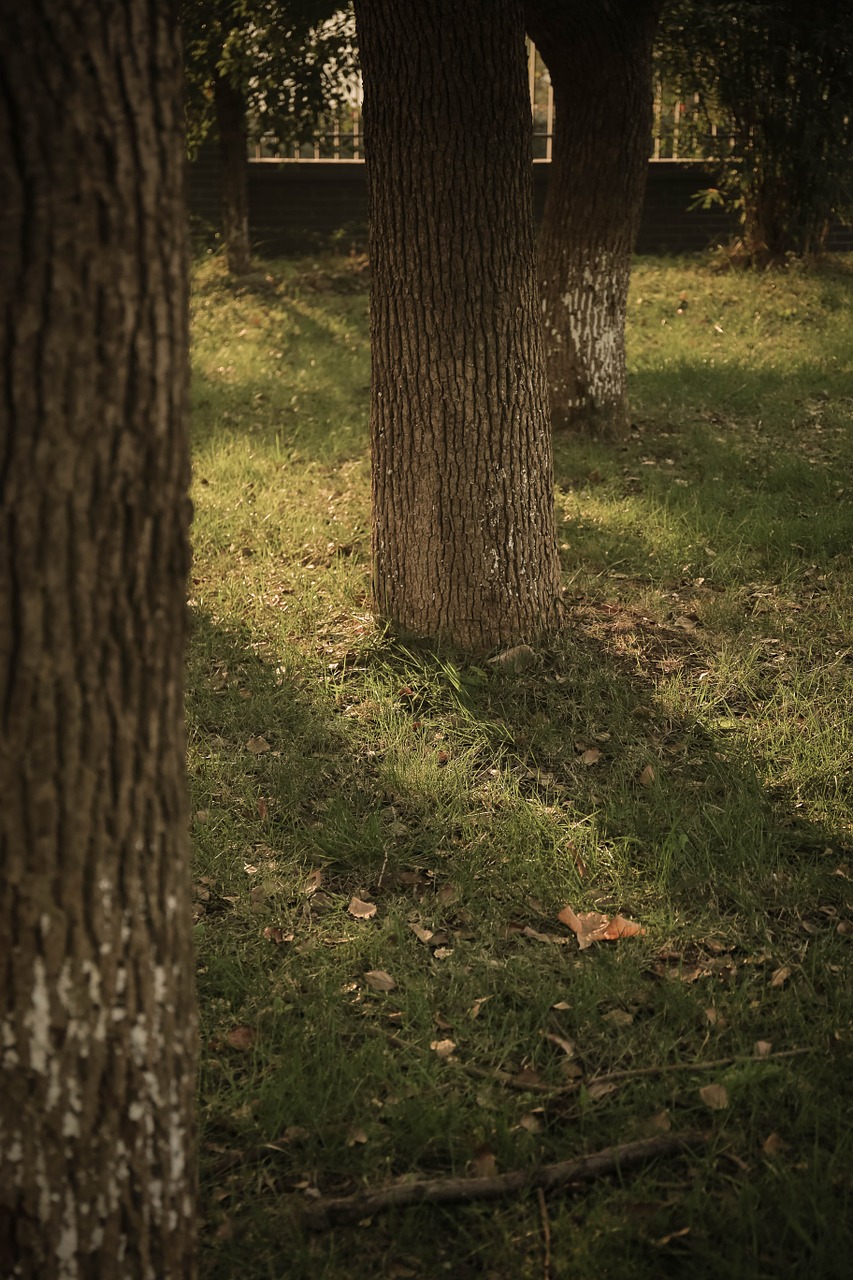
x=591, y=926
x=356, y=1137
x=262, y=807
x=420, y=932
x=568, y=1046
x=781, y=976
x=526, y=1076
x=647, y=776
x=761, y=1048
x=773, y=1145
x=515, y=659
x=673, y=1235
x=618, y=1017
x=474, y=1011
x=446, y=894
x=660, y=1123
x=379, y=980
x=561, y=1004
x=591, y=756
x=715, y=1018
x=543, y=937
x=258, y=746
x=441, y=953
x=276, y=935
x=443, y=1048
x=530, y=1123
x=441, y=1022
x=362, y=910
x=484, y=1163
x=844, y=927
x=241, y=1037
x=312, y=884
x=715, y=1096
x=600, y=1089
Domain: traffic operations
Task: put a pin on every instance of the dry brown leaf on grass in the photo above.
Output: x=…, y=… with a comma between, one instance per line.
x=484, y=1163
x=379, y=980
x=591, y=926
x=543, y=937
x=781, y=976
x=312, y=884
x=361, y=910
x=273, y=934
x=443, y=1048
x=241, y=1037
x=647, y=776
x=422, y=934
x=591, y=756
x=568, y=1046
x=257, y=746
x=715, y=1096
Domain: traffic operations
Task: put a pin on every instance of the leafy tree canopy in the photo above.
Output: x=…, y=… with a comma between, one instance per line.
x=776, y=79
x=290, y=59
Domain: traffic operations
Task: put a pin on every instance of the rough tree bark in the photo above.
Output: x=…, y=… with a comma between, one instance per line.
x=97, y=1023
x=600, y=60
x=233, y=133
x=463, y=535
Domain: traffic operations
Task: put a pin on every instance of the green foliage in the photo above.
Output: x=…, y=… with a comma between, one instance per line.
x=290, y=59
x=776, y=79
x=708, y=574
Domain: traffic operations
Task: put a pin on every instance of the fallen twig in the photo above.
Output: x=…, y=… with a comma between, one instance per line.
x=323, y=1212
x=711, y=1065
x=546, y=1233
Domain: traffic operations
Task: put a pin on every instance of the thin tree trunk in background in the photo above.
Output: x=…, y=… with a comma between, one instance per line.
x=463, y=538
x=600, y=61
x=97, y=1021
x=234, y=155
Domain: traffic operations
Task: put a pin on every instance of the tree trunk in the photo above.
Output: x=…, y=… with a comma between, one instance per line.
x=234, y=153
x=97, y=1022
x=463, y=537
x=600, y=61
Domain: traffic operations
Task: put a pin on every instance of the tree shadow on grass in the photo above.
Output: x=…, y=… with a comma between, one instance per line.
x=465, y=798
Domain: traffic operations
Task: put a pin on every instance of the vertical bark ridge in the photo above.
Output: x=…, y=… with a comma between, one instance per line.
x=464, y=544
x=600, y=65
x=97, y=1028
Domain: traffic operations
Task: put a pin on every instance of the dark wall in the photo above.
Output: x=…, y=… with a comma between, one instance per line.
x=296, y=207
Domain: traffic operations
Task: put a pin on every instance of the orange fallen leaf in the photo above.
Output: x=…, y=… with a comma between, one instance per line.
x=591, y=926
x=361, y=910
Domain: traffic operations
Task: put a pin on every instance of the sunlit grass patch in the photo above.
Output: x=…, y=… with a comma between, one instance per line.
x=679, y=754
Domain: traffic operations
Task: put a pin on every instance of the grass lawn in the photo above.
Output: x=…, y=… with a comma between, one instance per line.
x=681, y=754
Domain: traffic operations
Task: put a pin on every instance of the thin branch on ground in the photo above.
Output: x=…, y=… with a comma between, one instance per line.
x=322, y=1213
